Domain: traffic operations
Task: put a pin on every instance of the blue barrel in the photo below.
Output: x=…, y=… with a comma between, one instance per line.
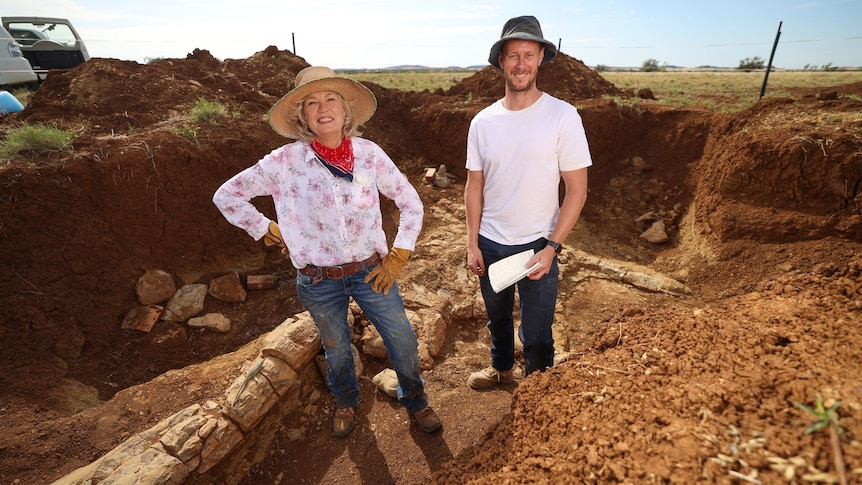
x=9, y=103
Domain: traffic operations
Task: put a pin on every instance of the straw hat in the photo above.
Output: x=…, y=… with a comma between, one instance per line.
x=522, y=28
x=317, y=78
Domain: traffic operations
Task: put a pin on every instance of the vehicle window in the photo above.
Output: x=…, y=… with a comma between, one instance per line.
x=26, y=33
x=25, y=37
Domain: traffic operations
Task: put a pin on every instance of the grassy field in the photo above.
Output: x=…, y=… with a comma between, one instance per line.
x=725, y=91
x=410, y=80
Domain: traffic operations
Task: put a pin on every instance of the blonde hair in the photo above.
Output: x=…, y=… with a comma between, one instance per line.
x=297, y=117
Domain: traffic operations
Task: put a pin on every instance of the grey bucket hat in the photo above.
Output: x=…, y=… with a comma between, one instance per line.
x=523, y=28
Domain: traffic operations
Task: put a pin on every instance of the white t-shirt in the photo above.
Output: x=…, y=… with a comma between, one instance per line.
x=521, y=154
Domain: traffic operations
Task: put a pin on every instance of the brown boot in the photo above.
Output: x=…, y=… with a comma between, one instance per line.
x=428, y=420
x=343, y=422
x=490, y=377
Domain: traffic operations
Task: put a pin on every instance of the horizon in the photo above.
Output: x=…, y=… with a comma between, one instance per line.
x=373, y=34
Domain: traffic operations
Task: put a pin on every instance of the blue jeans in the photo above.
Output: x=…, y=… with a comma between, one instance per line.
x=538, y=300
x=328, y=301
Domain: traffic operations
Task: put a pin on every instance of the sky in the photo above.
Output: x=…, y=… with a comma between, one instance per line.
x=354, y=34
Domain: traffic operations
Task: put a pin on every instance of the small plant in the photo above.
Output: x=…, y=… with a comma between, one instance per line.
x=828, y=418
x=35, y=139
x=468, y=98
x=187, y=132
x=22, y=95
x=205, y=110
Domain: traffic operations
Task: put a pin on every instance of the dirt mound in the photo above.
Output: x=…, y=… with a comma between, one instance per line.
x=792, y=174
x=686, y=395
x=762, y=208
x=564, y=77
x=110, y=95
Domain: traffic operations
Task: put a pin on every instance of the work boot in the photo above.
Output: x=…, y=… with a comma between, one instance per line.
x=490, y=377
x=428, y=420
x=343, y=422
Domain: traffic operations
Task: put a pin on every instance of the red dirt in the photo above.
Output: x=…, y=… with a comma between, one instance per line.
x=762, y=206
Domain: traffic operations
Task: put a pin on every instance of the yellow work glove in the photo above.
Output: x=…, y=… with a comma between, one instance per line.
x=384, y=274
x=273, y=237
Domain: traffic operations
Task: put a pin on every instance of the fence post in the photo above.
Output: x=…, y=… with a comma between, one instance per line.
x=769, y=66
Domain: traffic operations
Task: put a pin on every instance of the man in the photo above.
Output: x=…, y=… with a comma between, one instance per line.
x=518, y=150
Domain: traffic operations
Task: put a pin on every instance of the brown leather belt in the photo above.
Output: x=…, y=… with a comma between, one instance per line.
x=338, y=272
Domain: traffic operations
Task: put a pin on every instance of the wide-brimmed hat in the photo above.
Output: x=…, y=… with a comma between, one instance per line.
x=318, y=78
x=523, y=28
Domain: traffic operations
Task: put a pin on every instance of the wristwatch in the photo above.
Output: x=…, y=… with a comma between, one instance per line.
x=557, y=246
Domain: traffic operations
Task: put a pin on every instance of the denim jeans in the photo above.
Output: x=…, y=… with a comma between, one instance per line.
x=327, y=301
x=538, y=301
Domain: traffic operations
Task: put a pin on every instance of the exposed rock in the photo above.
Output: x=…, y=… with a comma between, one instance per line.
x=430, y=328
x=372, y=343
x=441, y=178
x=656, y=233
x=187, y=302
x=260, y=282
x=155, y=286
x=295, y=341
x=630, y=273
x=182, y=440
x=250, y=395
x=227, y=288
x=212, y=321
x=387, y=381
x=142, y=318
x=151, y=466
x=224, y=437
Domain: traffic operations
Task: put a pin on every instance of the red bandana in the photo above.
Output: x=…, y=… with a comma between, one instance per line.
x=341, y=157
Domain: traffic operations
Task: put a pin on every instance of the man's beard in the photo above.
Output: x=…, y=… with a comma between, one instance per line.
x=510, y=84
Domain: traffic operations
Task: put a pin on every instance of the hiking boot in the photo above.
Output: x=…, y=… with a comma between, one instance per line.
x=490, y=377
x=428, y=420
x=343, y=422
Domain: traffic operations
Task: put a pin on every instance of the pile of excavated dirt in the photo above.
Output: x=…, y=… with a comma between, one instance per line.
x=763, y=209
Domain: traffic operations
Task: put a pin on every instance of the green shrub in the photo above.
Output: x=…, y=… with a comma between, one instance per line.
x=753, y=63
x=22, y=95
x=35, y=139
x=205, y=110
x=187, y=131
x=652, y=65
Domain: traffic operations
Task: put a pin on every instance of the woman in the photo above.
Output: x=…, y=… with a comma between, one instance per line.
x=326, y=190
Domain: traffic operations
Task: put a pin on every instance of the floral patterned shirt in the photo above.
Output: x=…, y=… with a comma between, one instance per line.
x=324, y=220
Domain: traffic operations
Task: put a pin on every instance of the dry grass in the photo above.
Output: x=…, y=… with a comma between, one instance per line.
x=412, y=80
x=726, y=91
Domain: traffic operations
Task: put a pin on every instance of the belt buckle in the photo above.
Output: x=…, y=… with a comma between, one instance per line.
x=341, y=268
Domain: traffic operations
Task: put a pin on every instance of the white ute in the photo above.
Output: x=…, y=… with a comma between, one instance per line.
x=47, y=43
x=15, y=70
